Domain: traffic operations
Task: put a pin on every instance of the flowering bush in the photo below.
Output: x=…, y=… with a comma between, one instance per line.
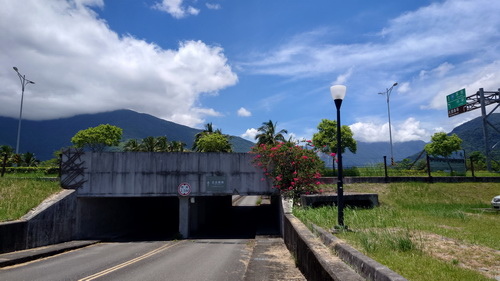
x=292, y=169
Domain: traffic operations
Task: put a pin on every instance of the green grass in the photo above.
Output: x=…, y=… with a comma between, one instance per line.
x=18, y=196
x=395, y=233
x=378, y=171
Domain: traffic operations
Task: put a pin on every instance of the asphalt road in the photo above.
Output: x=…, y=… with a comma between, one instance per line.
x=260, y=258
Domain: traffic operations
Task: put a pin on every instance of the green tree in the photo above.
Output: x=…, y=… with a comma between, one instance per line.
x=154, y=144
x=209, y=129
x=29, y=160
x=443, y=145
x=268, y=134
x=132, y=145
x=176, y=146
x=98, y=138
x=478, y=159
x=325, y=139
x=215, y=142
x=5, y=154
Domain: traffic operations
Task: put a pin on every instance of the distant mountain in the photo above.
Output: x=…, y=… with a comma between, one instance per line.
x=45, y=137
x=374, y=152
x=472, y=135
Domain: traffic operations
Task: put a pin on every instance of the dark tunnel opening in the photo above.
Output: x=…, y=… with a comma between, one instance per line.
x=157, y=218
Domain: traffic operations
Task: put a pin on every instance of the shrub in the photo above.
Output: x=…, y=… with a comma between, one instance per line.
x=292, y=169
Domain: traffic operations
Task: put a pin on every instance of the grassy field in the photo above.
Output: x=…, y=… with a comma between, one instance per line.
x=424, y=231
x=18, y=196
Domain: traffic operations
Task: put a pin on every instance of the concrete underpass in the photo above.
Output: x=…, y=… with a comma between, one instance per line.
x=154, y=218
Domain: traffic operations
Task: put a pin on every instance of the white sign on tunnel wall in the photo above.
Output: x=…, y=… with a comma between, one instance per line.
x=184, y=189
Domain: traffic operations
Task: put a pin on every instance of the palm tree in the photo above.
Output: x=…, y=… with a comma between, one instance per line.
x=209, y=129
x=148, y=144
x=132, y=145
x=176, y=146
x=161, y=144
x=268, y=134
x=29, y=159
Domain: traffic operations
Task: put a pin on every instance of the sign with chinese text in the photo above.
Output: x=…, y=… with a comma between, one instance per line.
x=457, y=103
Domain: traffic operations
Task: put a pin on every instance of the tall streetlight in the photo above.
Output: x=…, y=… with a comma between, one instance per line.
x=388, y=95
x=338, y=94
x=24, y=82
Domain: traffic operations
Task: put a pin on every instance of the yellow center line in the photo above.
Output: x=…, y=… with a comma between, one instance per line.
x=127, y=263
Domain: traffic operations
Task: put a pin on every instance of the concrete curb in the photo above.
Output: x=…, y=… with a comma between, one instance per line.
x=314, y=259
x=19, y=257
x=367, y=267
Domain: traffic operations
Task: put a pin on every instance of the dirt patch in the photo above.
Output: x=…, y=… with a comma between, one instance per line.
x=271, y=261
x=478, y=258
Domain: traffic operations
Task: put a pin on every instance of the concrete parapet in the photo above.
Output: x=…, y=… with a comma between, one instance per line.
x=367, y=267
x=313, y=258
x=53, y=221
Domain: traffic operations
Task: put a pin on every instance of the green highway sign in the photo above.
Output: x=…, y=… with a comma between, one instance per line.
x=456, y=103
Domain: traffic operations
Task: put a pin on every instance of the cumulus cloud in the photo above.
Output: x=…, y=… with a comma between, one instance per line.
x=81, y=66
x=243, y=112
x=409, y=130
x=176, y=8
x=250, y=134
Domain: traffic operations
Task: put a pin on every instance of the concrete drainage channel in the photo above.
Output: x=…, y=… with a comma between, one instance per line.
x=313, y=253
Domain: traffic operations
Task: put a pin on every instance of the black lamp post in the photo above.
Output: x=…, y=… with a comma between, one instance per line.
x=24, y=82
x=338, y=94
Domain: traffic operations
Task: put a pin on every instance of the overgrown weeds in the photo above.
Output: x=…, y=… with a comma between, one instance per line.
x=412, y=228
x=18, y=196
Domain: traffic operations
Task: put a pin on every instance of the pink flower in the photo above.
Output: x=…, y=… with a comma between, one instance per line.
x=305, y=157
x=333, y=154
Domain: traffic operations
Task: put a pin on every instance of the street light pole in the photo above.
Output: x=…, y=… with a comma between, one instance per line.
x=388, y=95
x=24, y=82
x=338, y=94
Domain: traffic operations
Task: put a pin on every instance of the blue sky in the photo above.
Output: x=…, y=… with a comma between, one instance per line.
x=239, y=63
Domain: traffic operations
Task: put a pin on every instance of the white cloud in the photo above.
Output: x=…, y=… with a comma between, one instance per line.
x=243, y=112
x=450, y=28
x=250, y=134
x=212, y=6
x=408, y=130
x=81, y=66
x=176, y=8
x=403, y=87
x=436, y=50
x=342, y=79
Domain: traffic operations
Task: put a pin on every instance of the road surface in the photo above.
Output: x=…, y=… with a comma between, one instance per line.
x=257, y=258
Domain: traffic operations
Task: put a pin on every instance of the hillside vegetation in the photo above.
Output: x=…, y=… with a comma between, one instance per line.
x=19, y=196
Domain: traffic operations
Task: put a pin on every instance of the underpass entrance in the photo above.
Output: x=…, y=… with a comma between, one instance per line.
x=128, y=218
x=157, y=218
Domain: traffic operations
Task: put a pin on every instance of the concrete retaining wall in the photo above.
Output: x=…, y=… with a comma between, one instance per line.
x=122, y=174
x=53, y=221
x=367, y=267
x=313, y=258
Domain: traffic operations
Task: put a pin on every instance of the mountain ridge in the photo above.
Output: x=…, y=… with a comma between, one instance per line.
x=45, y=137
